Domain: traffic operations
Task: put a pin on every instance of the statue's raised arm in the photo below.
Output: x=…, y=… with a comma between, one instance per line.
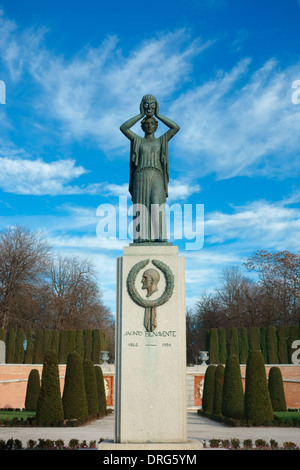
x=149, y=166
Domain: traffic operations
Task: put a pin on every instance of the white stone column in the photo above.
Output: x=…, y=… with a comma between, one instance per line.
x=150, y=391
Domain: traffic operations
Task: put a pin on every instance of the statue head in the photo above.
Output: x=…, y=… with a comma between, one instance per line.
x=150, y=280
x=148, y=105
x=149, y=124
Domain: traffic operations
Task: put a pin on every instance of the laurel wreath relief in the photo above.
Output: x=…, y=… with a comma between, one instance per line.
x=150, y=306
x=137, y=298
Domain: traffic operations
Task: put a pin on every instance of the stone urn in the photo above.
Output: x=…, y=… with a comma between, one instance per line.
x=203, y=356
x=104, y=356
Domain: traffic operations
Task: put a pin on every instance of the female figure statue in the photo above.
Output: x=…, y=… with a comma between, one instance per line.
x=149, y=170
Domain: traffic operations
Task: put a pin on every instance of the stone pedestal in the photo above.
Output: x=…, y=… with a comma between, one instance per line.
x=150, y=392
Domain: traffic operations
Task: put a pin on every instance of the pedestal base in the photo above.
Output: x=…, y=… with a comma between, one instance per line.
x=150, y=398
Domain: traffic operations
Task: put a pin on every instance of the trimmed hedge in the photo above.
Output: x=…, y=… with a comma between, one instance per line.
x=208, y=389
x=276, y=390
x=214, y=346
x=90, y=387
x=233, y=395
x=74, y=395
x=274, y=342
x=33, y=390
x=258, y=406
x=218, y=390
x=100, y=389
x=49, y=407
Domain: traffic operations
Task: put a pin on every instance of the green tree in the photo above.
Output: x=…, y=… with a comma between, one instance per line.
x=47, y=340
x=33, y=390
x=55, y=340
x=28, y=355
x=10, y=346
x=214, y=346
x=276, y=389
x=222, y=346
x=218, y=390
x=282, y=345
x=254, y=338
x=234, y=342
x=19, y=348
x=38, y=356
x=293, y=336
x=258, y=407
x=88, y=344
x=71, y=341
x=79, y=343
x=90, y=387
x=63, y=347
x=49, y=407
x=100, y=389
x=263, y=343
x=244, y=346
x=74, y=394
x=272, y=345
x=208, y=389
x=233, y=395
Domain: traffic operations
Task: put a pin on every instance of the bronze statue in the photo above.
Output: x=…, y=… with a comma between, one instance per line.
x=149, y=170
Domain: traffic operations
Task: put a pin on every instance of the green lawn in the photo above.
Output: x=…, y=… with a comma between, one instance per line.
x=288, y=415
x=4, y=415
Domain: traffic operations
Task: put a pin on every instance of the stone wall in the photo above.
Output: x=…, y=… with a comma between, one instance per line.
x=13, y=383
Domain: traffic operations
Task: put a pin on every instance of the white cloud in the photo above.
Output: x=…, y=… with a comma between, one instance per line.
x=92, y=93
x=260, y=224
x=36, y=177
x=241, y=123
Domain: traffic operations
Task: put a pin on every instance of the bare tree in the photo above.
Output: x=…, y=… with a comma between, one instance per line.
x=24, y=257
x=279, y=275
x=75, y=298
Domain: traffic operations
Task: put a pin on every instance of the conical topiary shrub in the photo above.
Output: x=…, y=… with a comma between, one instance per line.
x=244, y=349
x=233, y=395
x=28, y=355
x=10, y=346
x=63, y=347
x=208, y=389
x=90, y=387
x=49, y=407
x=254, y=338
x=74, y=394
x=263, y=343
x=33, y=390
x=234, y=348
x=272, y=345
x=222, y=346
x=258, y=407
x=88, y=344
x=79, y=343
x=218, y=391
x=55, y=341
x=282, y=345
x=19, y=348
x=276, y=389
x=38, y=355
x=214, y=346
x=100, y=389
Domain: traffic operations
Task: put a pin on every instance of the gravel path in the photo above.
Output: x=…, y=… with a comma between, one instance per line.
x=198, y=428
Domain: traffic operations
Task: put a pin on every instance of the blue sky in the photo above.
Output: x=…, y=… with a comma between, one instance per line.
x=222, y=69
